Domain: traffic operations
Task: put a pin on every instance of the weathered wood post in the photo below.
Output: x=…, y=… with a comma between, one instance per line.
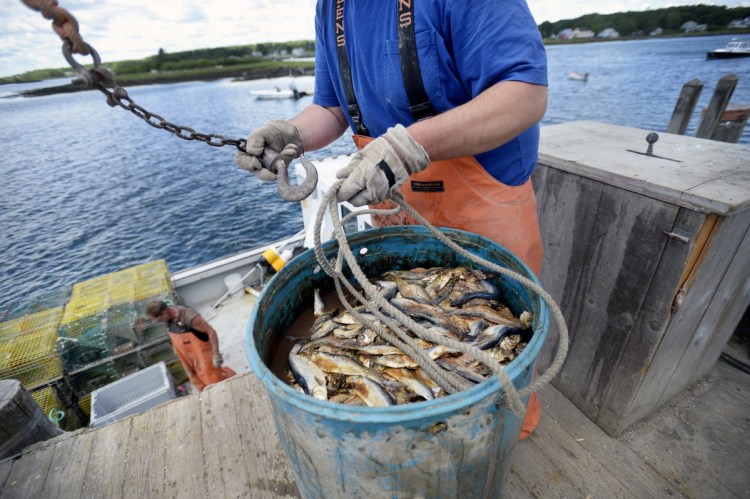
x=685, y=106
x=22, y=421
x=732, y=123
x=719, y=101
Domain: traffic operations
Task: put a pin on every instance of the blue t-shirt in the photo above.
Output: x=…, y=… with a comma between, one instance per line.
x=464, y=47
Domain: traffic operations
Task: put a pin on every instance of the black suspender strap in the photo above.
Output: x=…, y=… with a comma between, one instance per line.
x=345, y=71
x=419, y=105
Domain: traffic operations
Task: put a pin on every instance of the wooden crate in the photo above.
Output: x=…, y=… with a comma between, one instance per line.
x=648, y=257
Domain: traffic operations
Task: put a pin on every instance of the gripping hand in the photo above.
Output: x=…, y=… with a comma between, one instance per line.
x=275, y=141
x=381, y=167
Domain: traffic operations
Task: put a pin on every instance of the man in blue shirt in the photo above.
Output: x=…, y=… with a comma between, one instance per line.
x=444, y=98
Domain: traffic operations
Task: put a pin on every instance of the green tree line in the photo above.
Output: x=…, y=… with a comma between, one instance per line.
x=670, y=19
x=162, y=61
x=207, y=58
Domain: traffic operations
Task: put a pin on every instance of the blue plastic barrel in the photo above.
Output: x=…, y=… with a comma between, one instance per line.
x=454, y=446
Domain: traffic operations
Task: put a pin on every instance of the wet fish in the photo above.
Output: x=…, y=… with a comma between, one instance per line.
x=490, y=337
x=317, y=343
x=510, y=341
x=346, y=398
x=416, y=275
x=458, y=368
x=373, y=349
x=322, y=327
x=440, y=331
x=442, y=284
x=386, y=289
x=489, y=314
x=526, y=318
x=347, y=332
x=502, y=356
x=318, y=305
x=341, y=364
x=359, y=367
x=431, y=314
x=463, y=283
x=366, y=337
x=410, y=380
x=309, y=376
x=373, y=393
x=490, y=292
x=476, y=326
x=422, y=377
x=346, y=319
x=439, y=351
x=396, y=361
x=412, y=291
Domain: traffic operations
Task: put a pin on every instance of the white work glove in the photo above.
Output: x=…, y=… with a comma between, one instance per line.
x=218, y=360
x=381, y=167
x=281, y=137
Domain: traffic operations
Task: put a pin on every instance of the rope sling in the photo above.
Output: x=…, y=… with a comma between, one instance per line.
x=390, y=316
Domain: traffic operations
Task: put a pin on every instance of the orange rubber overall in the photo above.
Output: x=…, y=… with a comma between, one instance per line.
x=460, y=194
x=197, y=358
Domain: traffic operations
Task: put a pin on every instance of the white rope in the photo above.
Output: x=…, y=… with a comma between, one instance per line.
x=374, y=303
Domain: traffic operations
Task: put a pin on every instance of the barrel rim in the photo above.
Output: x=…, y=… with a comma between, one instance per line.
x=404, y=412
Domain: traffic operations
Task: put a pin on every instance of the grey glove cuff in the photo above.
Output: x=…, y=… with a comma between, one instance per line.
x=413, y=155
x=381, y=168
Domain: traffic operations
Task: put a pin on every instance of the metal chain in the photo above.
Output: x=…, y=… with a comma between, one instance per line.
x=101, y=78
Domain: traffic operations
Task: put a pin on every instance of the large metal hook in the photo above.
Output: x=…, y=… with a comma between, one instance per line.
x=87, y=78
x=287, y=191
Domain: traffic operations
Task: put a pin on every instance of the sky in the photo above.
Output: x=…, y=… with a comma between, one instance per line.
x=134, y=29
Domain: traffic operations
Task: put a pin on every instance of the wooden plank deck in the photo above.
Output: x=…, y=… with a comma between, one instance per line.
x=222, y=443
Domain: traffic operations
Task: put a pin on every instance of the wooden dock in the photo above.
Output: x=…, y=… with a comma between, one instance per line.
x=222, y=443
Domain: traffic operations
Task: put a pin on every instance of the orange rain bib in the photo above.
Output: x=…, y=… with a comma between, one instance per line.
x=460, y=194
x=197, y=357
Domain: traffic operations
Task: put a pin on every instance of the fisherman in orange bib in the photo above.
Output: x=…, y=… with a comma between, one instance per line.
x=444, y=99
x=195, y=342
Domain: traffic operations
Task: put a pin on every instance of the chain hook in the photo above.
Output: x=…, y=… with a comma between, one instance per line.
x=87, y=77
x=290, y=192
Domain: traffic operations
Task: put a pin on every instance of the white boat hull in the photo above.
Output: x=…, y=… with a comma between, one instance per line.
x=575, y=75
x=272, y=94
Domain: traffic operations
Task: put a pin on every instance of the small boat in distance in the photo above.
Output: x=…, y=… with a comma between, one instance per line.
x=735, y=48
x=277, y=93
x=578, y=76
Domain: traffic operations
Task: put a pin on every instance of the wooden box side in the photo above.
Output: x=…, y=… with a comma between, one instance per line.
x=603, y=248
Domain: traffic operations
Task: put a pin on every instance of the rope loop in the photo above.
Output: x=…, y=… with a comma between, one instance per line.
x=391, y=317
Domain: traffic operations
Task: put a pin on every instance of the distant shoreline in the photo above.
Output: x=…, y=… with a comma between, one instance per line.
x=236, y=75
x=246, y=74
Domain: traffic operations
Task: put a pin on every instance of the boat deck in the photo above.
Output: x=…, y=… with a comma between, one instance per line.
x=222, y=443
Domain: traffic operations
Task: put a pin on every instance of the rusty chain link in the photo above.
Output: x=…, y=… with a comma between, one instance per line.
x=66, y=26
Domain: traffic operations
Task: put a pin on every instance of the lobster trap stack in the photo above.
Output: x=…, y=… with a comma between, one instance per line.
x=27, y=352
x=98, y=335
x=27, y=349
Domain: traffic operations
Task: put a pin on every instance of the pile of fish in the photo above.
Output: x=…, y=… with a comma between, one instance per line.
x=343, y=361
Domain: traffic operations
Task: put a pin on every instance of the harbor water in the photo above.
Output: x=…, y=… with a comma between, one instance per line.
x=88, y=189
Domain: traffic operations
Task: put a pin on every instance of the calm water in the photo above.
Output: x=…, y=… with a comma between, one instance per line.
x=87, y=189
